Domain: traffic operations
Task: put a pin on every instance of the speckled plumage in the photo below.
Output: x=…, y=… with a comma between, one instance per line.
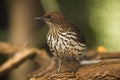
x=64, y=39
x=65, y=45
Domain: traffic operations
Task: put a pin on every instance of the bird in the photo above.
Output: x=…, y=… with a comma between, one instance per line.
x=65, y=39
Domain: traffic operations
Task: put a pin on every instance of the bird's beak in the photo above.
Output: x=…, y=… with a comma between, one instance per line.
x=37, y=18
x=40, y=18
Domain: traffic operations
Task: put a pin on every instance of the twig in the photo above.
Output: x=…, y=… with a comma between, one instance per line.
x=8, y=49
x=93, y=55
x=20, y=54
x=16, y=60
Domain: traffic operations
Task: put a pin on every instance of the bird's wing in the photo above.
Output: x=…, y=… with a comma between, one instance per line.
x=79, y=34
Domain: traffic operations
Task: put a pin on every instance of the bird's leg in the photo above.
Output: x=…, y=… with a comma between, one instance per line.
x=59, y=65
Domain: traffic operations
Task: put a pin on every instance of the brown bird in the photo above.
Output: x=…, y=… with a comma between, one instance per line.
x=64, y=38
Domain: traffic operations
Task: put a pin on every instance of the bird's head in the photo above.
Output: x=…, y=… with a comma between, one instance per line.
x=53, y=18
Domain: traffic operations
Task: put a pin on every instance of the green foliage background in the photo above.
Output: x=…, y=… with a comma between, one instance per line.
x=99, y=20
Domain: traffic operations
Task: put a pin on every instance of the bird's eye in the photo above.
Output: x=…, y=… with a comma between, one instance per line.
x=48, y=17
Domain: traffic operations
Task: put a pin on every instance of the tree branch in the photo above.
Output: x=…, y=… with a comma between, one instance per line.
x=20, y=56
x=105, y=70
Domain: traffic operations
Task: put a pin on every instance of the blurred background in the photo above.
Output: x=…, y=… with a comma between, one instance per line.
x=99, y=20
